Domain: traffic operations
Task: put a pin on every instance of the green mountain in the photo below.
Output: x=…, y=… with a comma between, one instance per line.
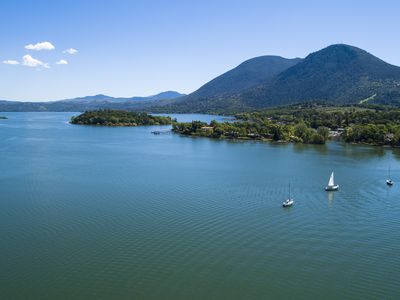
x=248, y=74
x=340, y=74
x=215, y=95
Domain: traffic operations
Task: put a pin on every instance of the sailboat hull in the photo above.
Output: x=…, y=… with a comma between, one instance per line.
x=331, y=188
x=287, y=203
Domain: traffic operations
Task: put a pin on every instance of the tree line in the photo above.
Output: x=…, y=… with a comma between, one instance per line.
x=260, y=130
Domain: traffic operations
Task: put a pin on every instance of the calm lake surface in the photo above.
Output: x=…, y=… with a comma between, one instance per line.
x=119, y=213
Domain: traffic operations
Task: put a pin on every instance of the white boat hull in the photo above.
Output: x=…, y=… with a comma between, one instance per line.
x=389, y=182
x=331, y=188
x=287, y=203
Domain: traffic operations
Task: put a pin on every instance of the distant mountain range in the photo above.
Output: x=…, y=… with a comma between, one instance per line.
x=91, y=103
x=339, y=74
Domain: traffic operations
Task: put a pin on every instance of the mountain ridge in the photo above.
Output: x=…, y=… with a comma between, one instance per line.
x=339, y=73
x=98, y=101
x=247, y=74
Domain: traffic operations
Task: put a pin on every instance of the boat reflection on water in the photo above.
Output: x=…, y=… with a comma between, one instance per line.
x=331, y=196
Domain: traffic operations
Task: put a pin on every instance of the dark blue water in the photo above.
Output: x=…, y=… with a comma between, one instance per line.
x=119, y=213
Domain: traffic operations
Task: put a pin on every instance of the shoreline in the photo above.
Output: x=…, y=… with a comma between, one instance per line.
x=266, y=140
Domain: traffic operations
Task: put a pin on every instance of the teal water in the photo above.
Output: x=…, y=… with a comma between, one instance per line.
x=119, y=213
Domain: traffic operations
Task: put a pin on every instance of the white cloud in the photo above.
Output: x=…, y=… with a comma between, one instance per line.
x=40, y=46
x=29, y=61
x=70, y=51
x=62, y=62
x=10, y=62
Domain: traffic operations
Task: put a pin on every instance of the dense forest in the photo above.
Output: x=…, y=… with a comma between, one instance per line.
x=119, y=118
x=260, y=129
x=310, y=123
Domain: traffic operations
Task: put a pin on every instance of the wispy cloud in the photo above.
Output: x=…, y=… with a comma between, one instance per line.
x=29, y=61
x=40, y=46
x=10, y=62
x=70, y=51
x=62, y=62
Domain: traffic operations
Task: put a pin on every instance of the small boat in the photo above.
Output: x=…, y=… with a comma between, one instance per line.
x=288, y=202
x=156, y=132
x=331, y=184
x=389, y=181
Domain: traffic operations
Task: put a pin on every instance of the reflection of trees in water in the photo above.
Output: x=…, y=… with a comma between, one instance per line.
x=322, y=149
x=343, y=149
x=356, y=151
x=362, y=151
x=396, y=153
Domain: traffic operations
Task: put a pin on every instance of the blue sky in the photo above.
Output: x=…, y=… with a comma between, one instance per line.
x=137, y=48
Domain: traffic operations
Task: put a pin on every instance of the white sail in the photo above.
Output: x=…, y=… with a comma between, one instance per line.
x=331, y=181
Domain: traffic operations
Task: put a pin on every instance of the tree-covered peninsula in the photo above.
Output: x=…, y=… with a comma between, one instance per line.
x=307, y=123
x=119, y=118
x=263, y=129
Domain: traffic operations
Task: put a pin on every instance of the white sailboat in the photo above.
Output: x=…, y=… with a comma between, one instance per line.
x=389, y=181
x=331, y=184
x=288, y=202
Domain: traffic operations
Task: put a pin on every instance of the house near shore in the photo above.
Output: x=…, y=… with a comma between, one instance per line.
x=336, y=133
x=207, y=128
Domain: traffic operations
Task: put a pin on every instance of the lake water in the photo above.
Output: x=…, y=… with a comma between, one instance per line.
x=119, y=213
